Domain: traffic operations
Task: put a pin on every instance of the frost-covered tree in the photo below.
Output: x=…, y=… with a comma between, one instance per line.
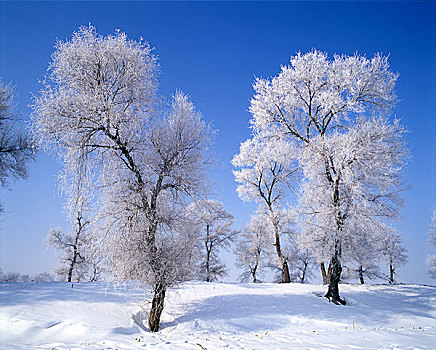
x=347, y=207
x=253, y=248
x=16, y=148
x=99, y=104
x=394, y=252
x=264, y=176
x=76, y=252
x=301, y=261
x=216, y=233
x=431, y=260
x=364, y=254
x=317, y=105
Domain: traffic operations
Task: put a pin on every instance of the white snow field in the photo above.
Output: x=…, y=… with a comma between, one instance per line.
x=216, y=316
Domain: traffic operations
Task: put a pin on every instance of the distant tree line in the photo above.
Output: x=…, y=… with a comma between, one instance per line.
x=17, y=277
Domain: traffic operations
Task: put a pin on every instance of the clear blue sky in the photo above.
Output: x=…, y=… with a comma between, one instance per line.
x=213, y=51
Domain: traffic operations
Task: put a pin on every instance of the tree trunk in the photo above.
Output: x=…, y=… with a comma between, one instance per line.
x=208, y=277
x=329, y=272
x=303, y=272
x=286, y=276
x=157, y=306
x=362, y=281
x=335, y=263
x=323, y=273
x=253, y=273
x=70, y=272
x=333, y=290
x=80, y=226
x=391, y=273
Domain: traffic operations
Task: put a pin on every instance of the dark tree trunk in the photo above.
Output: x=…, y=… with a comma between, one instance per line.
x=323, y=273
x=157, y=306
x=253, y=272
x=303, y=272
x=333, y=290
x=391, y=274
x=73, y=262
x=75, y=246
x=362, y=281
x=334, y=178
x=157, y=303
x=286, y=276
x=329, y=272
x=70, y=272
x=208, y=251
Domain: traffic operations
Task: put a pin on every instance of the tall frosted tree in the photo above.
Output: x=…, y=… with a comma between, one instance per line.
x=216, y=233
x=99, y=105
x=318, y=107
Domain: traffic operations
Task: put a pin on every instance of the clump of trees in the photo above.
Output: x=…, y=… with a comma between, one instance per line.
x=323, y=143
x=100, y=112
x=11, y=277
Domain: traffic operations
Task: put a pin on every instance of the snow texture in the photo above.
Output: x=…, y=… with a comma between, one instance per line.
x=216, y=316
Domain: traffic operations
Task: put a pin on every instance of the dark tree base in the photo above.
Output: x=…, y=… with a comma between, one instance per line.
x=336, y=301
x=156, y=308
x=333, y=290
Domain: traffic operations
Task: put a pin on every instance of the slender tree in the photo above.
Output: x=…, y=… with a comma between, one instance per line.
x=301, y=261
x=76, y=254
x=264, y=176
x=393, y=252
x=99, y=105
x=215, y=225
x=253, y=248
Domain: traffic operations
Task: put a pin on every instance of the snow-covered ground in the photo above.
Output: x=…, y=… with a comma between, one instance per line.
x=215, y=316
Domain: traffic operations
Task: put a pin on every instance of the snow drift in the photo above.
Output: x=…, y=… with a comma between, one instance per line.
x=214, y=316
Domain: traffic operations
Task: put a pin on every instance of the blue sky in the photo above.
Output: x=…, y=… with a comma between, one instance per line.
x=213, y=51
